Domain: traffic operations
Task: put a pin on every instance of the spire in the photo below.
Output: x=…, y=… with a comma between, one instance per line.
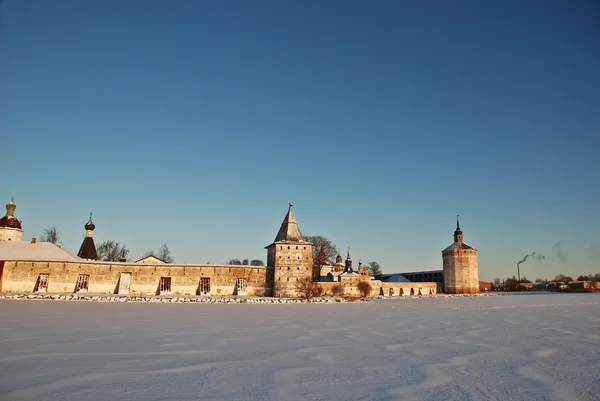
x=88, y=247
x=289, y=230
x=348, y=254
x=89, y=226
x=458, y=234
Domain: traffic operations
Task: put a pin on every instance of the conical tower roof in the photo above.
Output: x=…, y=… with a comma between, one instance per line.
x=289, y=230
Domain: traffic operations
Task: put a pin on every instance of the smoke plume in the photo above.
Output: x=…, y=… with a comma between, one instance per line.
x=560, y=256
x=539, y=258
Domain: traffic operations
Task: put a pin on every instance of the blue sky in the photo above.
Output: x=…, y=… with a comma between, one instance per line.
x=195, y=123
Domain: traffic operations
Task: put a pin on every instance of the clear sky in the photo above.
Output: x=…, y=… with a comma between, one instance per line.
x=195, y=123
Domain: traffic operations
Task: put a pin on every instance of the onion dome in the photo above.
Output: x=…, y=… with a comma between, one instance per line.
x=9, y=220
x=90, y=226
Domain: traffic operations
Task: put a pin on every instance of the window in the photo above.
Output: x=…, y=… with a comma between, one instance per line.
x=82, y=283
x=42, y=283
x=204, y=286
x=165, y=285
x=242, y=286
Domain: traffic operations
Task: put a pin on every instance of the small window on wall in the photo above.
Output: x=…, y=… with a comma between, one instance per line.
x=165, y=285
x=42, y=283
x=82, y=283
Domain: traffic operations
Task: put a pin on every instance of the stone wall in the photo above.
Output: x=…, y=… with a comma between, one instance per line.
x=461, y=271
x=104, y=277
x=383, y=289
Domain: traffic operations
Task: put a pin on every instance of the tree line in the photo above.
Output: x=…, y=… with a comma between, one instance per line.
x=512, y=283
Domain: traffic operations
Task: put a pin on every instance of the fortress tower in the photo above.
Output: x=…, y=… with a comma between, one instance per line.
x=10, y=226
x=461, y=270
x=290, y=257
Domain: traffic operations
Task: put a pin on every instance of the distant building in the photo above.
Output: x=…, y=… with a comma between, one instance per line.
x=151, y=259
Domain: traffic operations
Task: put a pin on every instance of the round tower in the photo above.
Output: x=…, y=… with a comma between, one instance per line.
x=461, y=269
x=10, y=227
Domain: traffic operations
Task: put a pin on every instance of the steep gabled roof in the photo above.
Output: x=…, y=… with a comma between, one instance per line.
x=289, y=231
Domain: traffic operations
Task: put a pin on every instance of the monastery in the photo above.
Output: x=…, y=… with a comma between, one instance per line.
x=46, y=267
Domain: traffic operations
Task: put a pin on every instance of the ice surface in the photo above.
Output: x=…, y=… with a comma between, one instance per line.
x=519, y=347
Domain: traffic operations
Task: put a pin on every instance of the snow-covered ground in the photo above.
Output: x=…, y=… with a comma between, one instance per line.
x=516, y=347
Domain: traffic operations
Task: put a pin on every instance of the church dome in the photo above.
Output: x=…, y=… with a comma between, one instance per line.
x=90, y=226
x=10, y=221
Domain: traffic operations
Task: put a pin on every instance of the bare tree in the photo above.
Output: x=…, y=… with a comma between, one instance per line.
x=164, y=254
x=563, y=278
x=374, y=268
x=50, y=235
x=337, y=290
x=306, y=287
x=112, y=251
x=256, y=262
x=324, y=251
x=364, y=287
x=511, y=284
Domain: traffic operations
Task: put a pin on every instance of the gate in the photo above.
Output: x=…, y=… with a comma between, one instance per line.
x=124, y=283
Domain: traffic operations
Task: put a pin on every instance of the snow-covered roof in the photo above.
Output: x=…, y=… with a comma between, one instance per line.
x=459, y=246
x=397, y=278
x=44, y=251
x=336, y=273
x=346, y=274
